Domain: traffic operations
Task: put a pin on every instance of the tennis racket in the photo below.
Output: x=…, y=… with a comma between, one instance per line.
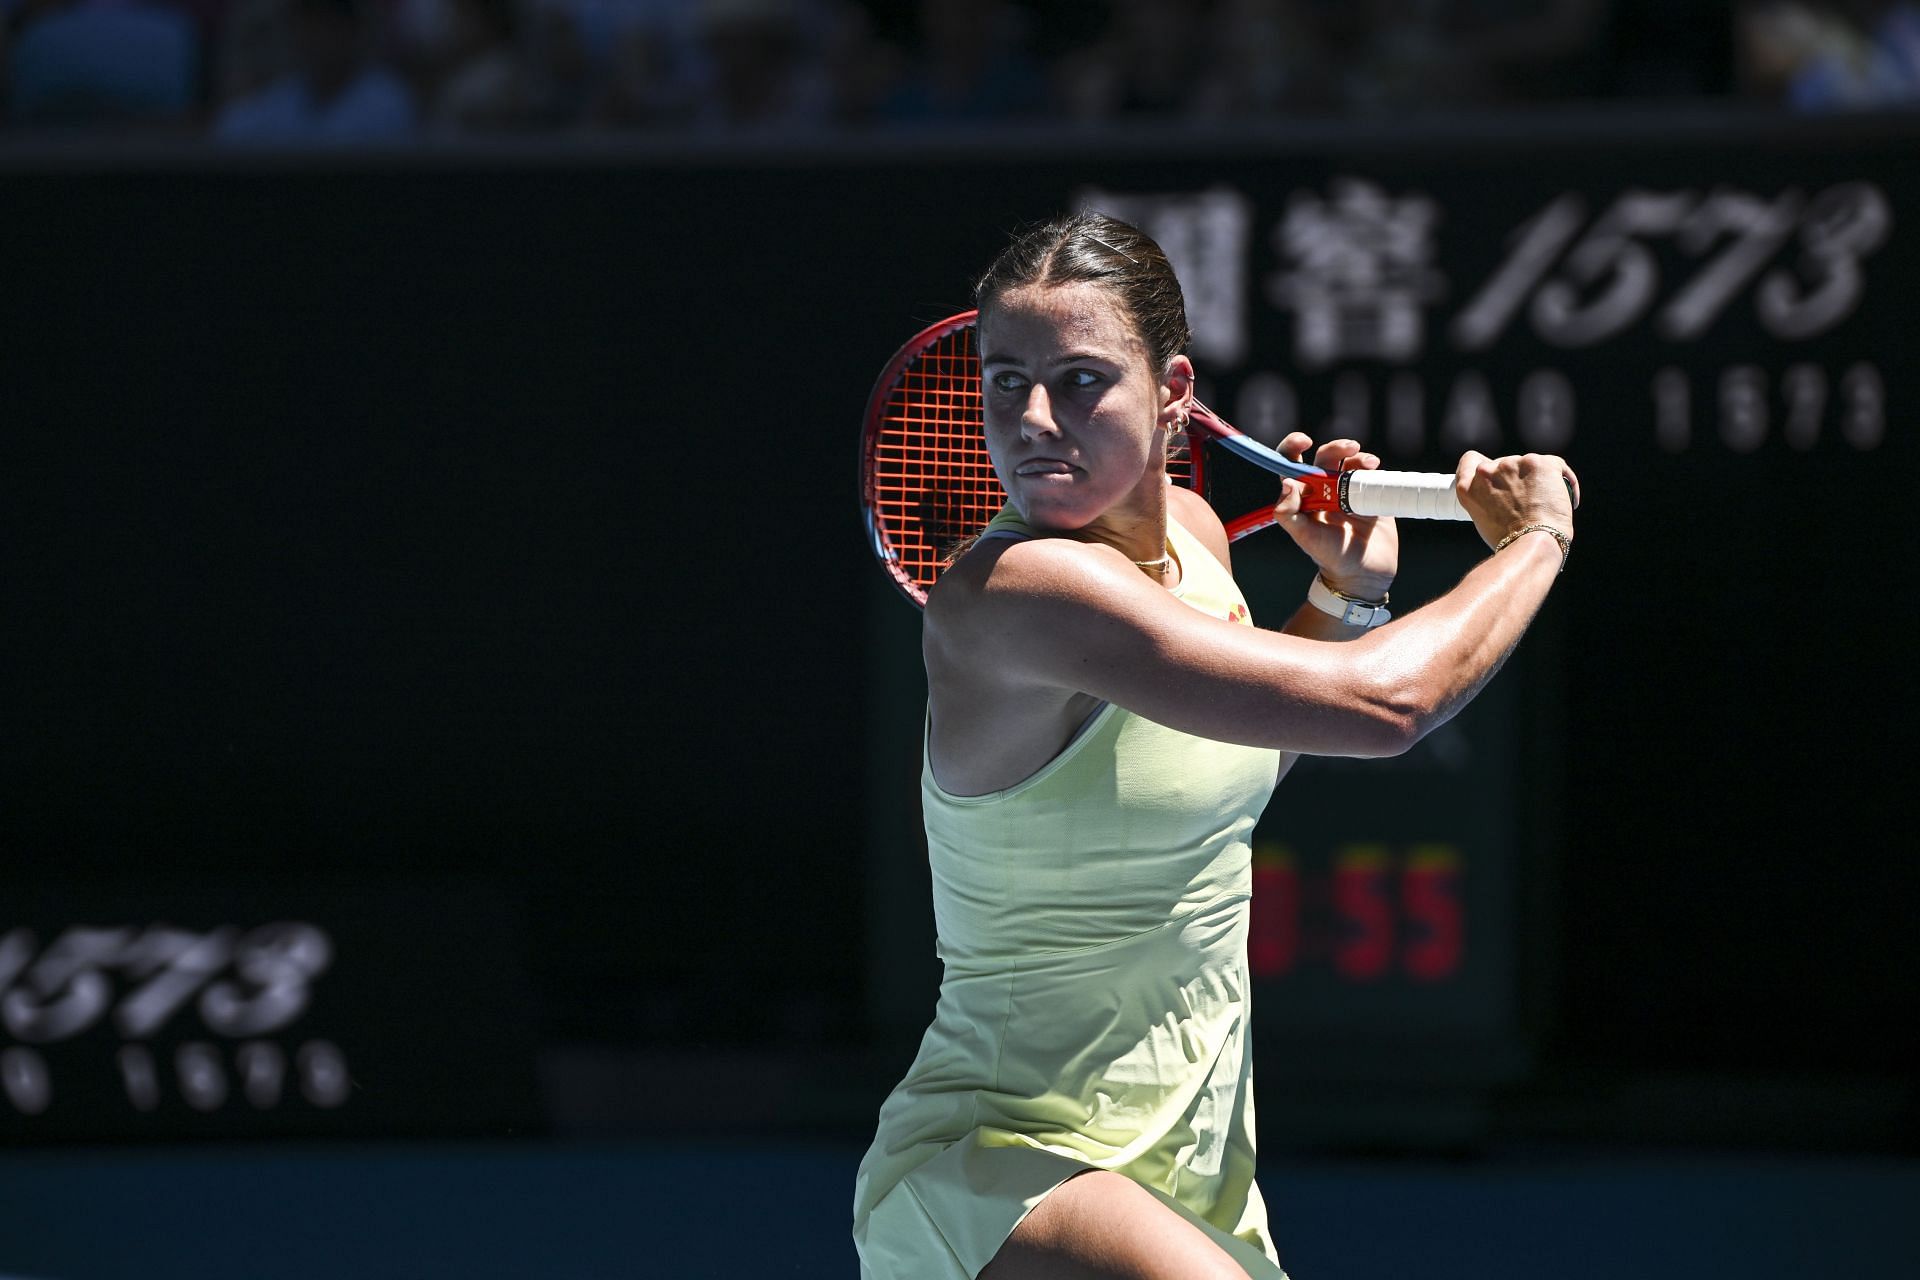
x=927, y=483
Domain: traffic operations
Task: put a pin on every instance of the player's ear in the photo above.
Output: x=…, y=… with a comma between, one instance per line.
x=1176, y=391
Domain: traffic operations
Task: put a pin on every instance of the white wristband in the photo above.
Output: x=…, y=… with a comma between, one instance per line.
x=1355, y=613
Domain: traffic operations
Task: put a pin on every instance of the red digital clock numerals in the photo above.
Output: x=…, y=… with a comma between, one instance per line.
x=1273, y=938
x=1430, y=904
x=1363, y=913
x=1372, y=914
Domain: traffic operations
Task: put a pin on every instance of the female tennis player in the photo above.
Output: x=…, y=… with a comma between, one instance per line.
x=1104, y=726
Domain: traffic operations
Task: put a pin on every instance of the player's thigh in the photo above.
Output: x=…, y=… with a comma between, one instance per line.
x=1105, y=1226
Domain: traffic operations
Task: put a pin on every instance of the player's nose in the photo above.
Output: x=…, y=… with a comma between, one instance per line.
x=1036, y=418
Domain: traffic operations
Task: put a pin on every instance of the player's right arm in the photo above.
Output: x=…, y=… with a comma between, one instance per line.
x=1028, y=624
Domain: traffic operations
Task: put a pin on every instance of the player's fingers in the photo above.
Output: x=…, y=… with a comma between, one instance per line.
x=1555, y=464
x=1296, y=444
x=1471, y=464
x=1289, y=504
x=1334, y=453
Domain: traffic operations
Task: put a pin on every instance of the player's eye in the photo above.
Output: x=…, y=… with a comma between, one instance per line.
x=1082, y=379
x=1005, y=381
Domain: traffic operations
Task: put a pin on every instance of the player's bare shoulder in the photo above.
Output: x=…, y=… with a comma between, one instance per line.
x=1004, y=591
x=960, y=607
x=990, y=575
x=982, y=613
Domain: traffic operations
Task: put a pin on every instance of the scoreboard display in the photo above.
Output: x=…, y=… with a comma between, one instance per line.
x=1387, y=892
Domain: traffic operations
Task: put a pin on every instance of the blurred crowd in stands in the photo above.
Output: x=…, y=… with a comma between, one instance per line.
x=378, y=71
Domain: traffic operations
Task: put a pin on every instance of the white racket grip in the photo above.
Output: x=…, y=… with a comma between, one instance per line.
x=1416, y=495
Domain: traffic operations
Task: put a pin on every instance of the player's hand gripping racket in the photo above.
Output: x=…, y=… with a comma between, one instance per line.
x=926, y=482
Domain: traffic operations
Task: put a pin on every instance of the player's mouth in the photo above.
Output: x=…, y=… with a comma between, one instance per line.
x=1044, y=467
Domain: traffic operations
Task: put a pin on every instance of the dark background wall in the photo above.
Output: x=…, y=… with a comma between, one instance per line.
x=489, y=519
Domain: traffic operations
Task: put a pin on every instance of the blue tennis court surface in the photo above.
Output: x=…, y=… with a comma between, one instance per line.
x=745, y=1210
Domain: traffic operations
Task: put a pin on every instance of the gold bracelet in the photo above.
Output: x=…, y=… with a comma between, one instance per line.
x=1564, y=539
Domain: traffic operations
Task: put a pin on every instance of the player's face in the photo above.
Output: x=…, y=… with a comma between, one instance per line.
x=1075, y=410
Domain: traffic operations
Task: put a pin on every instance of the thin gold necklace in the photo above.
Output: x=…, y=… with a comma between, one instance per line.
x=1154, y=568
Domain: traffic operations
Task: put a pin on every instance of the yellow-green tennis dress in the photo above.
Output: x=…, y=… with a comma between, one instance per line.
x=1092, y=922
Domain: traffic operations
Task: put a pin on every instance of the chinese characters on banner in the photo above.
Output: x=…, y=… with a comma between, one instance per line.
x=1386, y=328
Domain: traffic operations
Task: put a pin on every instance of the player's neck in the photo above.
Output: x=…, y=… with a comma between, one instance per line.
x=1136, y=526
